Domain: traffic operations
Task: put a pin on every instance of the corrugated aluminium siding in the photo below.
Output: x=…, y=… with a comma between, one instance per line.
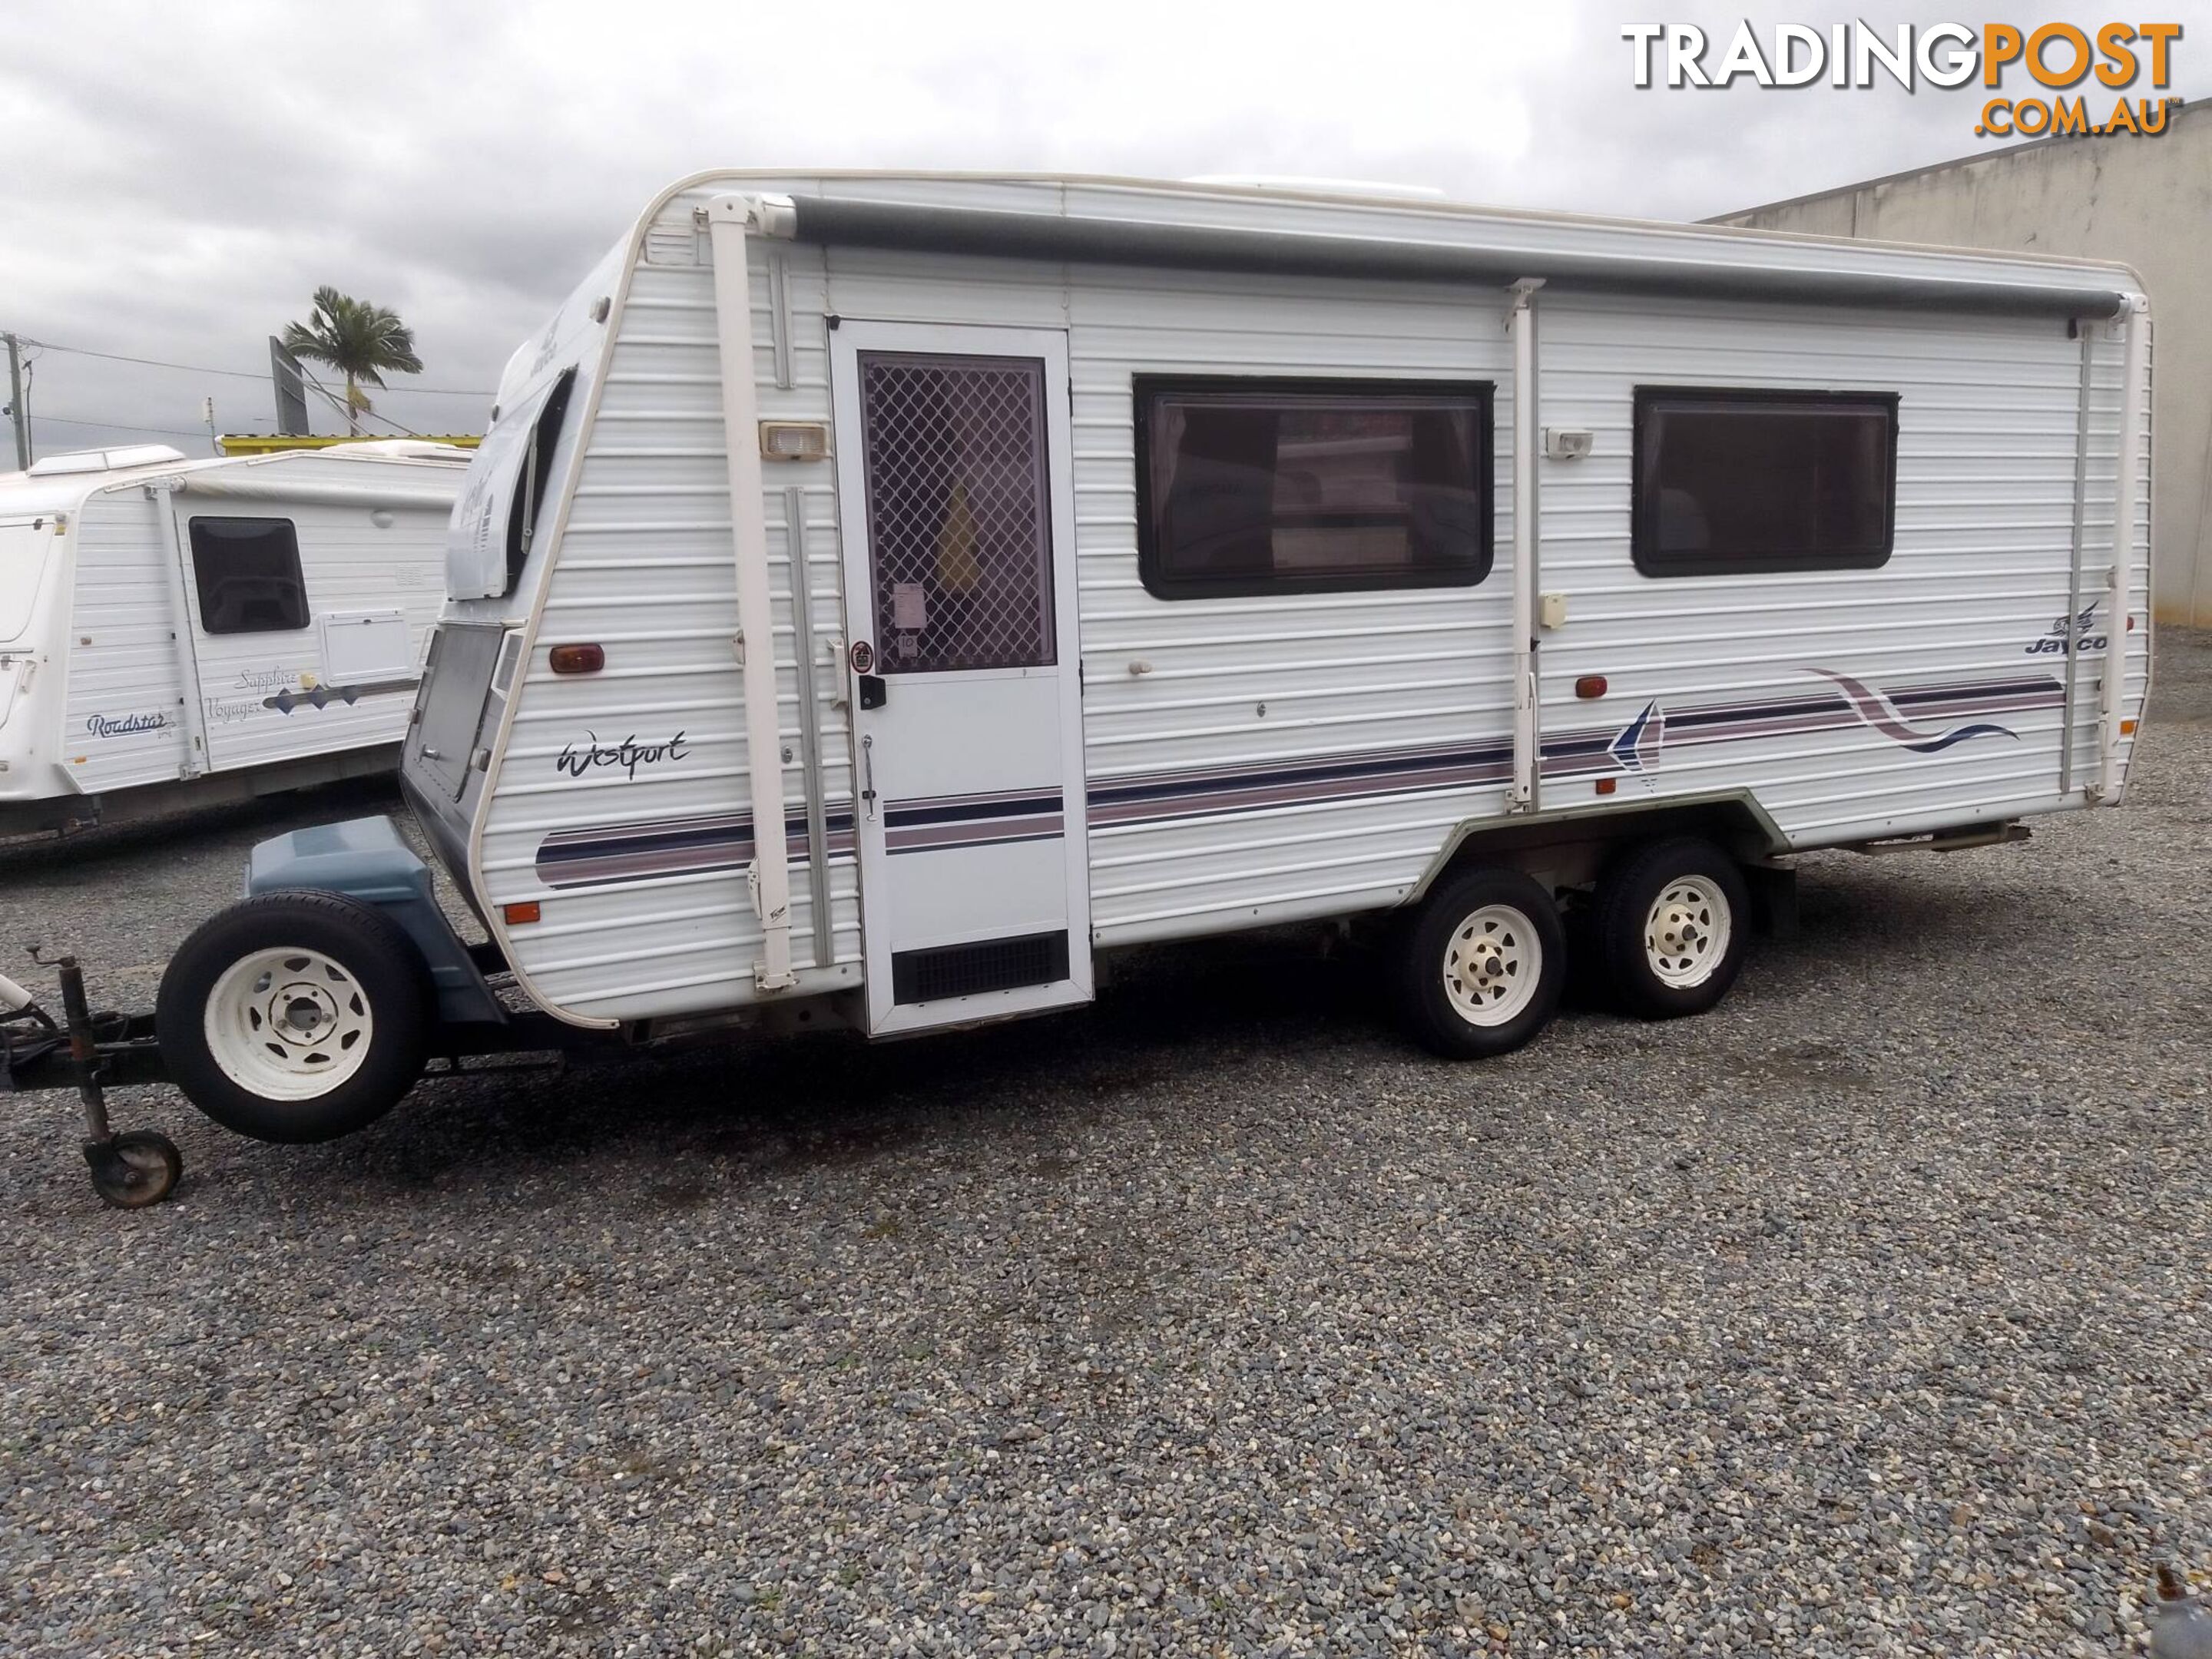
x=120, y=647
x=119, y=644
x=646, y=569
x=1986, y=428
x=1987, y=410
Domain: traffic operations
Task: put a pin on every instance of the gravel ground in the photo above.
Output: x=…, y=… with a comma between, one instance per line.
x=1868, y=1315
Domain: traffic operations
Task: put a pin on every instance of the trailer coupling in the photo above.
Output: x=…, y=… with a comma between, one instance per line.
x=90, y=1052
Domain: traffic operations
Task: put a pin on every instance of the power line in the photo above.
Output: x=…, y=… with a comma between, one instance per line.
x=235, y=373
x=347, y=409
x=114, y=426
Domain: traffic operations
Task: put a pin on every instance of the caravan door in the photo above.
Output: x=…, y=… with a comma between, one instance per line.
x=959, y=549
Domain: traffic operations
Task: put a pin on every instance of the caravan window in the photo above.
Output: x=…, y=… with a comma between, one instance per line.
x=1730, y=481
x=1249, y=486
x=247, y=571
x=524, y=518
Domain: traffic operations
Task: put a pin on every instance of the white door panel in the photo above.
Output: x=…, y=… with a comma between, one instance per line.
x=959, y=547
x=1027, y=882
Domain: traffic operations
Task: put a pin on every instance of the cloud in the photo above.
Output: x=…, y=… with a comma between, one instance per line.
x=175, y=182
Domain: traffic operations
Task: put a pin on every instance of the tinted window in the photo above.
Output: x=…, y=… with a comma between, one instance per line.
x=523, y=520
x=247, y=571
x=1746, y=481
x=1278, y=487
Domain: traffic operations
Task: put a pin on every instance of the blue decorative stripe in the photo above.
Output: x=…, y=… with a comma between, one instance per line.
x=649, y=851
x=938, y=824
x=673, y=847
x=962, y=809
x=1936, y=745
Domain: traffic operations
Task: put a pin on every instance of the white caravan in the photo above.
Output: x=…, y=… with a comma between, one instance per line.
x=881, y=596
x=175, y=631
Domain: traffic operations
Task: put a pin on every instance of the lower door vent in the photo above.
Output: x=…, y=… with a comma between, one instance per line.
x=991, y=964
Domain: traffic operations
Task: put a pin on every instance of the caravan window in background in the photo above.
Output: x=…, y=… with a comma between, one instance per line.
x=247, y=571
x=1252, y=486
x=1729, y=481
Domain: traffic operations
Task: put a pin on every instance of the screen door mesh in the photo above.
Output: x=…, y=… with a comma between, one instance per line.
x=959, y=529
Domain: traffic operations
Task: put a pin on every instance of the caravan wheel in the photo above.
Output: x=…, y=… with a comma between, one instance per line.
x=1482, y=962
x=1671, y=920
x=296, y=1017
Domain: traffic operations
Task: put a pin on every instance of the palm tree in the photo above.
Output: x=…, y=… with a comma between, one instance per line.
x=359, y=340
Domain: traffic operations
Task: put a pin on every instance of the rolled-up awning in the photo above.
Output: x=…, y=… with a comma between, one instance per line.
x=1497, y=249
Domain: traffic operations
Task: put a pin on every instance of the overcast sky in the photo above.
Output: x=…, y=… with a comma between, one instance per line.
x=175, y=181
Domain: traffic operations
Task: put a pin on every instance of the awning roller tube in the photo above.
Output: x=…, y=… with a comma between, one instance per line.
x=1122, y=241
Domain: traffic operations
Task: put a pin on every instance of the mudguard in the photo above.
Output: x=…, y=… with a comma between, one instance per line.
x=367, y=859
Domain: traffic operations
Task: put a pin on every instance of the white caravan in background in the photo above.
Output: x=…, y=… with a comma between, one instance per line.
x=880, y=596
x=175, y=631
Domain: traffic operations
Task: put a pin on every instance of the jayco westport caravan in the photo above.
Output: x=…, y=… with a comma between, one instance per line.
x=174, y=631
x=880, y=598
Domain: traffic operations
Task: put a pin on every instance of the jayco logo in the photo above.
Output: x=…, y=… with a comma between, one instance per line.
x=630, y=754
x=2060, y=639
x=124, y=725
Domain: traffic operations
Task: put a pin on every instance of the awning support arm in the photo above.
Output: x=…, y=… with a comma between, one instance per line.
x=730, y=219
x=1528, y=442
x=2134, y=387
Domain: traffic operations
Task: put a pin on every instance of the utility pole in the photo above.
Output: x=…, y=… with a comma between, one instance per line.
x=20, y=415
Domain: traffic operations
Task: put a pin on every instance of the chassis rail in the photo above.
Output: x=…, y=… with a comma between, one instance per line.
x=32, y=1058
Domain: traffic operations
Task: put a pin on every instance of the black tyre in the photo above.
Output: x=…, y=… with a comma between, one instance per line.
x=1481, y=963
x=1671, y=921
x=296, y=1017
x=135, y=1169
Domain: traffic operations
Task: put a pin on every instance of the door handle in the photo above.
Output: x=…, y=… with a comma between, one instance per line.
x=873, y=691
x=868, y=769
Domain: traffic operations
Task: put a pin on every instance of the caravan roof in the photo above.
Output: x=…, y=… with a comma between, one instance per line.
x=60, y=483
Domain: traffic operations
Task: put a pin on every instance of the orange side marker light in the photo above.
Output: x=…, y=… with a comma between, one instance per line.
x=516, y=915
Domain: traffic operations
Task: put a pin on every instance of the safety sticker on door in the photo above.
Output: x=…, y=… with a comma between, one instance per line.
x=909, y=606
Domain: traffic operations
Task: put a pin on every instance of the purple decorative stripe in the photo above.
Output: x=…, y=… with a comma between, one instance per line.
x=1256, y=786
x=644, y=852
x=932, y=824
x=1878, y=712
x=673, y=847
x=1035, y=826
x=947, y=809
x=1885, y=711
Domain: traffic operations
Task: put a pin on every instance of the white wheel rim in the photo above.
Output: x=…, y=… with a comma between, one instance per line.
x=1492, y=965
x=288, y=1024
x=1685, y=936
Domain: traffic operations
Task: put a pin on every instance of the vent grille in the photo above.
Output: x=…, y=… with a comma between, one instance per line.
x=672, y=245
x=967, y=971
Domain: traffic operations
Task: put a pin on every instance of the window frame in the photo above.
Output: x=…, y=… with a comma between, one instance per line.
x=1643, y=527
x=199, y=578
x=1163, y=585
x=534, y=481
